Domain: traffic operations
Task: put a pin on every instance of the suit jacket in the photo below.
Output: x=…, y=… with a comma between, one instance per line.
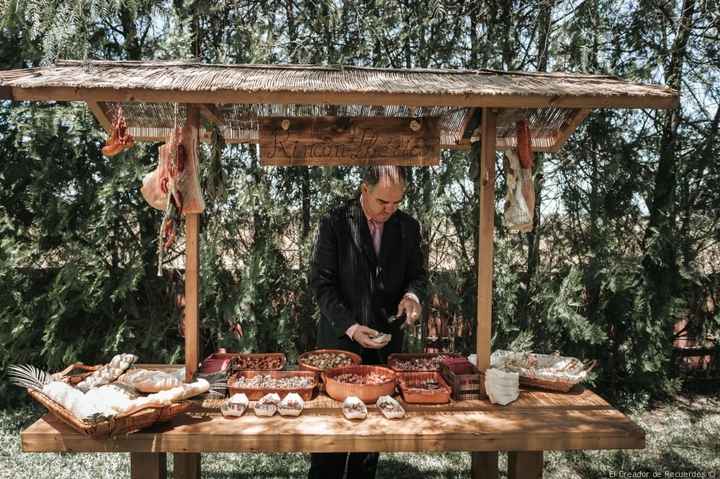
x=354, y=285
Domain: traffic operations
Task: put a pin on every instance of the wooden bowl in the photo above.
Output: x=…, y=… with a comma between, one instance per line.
x=354, y=358
x=368, y=393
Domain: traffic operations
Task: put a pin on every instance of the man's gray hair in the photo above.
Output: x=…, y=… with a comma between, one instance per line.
x=394, y=174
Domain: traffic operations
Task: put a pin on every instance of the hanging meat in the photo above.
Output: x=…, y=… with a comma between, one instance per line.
x=520, y=197
x=120, y=139
x=174, y=186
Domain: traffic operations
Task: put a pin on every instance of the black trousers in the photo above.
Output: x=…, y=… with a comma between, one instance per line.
x=360, y=465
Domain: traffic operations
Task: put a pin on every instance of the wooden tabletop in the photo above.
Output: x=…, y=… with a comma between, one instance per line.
x=537, y=421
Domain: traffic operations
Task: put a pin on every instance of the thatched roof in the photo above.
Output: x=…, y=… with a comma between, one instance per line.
x=237, y=95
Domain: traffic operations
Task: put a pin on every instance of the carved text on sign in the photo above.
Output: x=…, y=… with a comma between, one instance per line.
x=349, y=141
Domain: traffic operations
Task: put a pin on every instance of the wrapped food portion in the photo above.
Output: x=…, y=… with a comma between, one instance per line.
x=147, y=381
x=502, y=387
x=109, y=372
x=291, y=405
x=267, y=405
x=390, y=408
x=235, y=405
x=354, y=408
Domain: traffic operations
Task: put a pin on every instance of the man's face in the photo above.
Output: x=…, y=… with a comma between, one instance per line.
x=382, y=200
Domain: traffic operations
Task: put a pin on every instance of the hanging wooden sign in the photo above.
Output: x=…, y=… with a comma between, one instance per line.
x=323, y=141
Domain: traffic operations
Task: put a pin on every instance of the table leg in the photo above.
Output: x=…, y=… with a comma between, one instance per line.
x=525, y=465
x=186, y=465
x=484, y=465
x=148, y=465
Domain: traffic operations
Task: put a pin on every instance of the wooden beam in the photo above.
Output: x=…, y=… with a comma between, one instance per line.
x=568, y=129
x=192, y=279
x=211, y=114
x=659, y=101
x=100, y=115
x=186, y=466
x=148, y=465
x=486, y=235
x=484, y=465
x=525, y=465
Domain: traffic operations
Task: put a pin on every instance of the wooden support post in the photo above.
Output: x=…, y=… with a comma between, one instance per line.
x=148, y=465
x=186, y=466
x=100, y=115
x=525, y=465
x=484, y=465
x=192, y=282
x=485, y=246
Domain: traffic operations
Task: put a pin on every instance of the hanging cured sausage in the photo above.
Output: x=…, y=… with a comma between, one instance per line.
x=120, y=139
x=524, y=145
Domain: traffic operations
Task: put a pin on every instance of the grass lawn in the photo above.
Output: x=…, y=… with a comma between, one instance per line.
x=683, y=436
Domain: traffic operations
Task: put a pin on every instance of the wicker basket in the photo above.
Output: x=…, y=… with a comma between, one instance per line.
x=254, y=394
x=394, y=358
x=558, y=373
x=553, y=385
x=354, y=359
x=466, y=380
x=118, y=425
x=412, y=394
x=368, y=393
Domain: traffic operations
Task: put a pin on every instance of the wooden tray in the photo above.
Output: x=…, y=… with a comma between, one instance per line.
x=394, y=358
x=118, y=425
x=465, y=379
x=354, y=358
x=368, y=393
x=248, y=361
x=254, y=394
x=410, y=394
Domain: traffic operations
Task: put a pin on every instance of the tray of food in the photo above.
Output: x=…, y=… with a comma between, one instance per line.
x=323, y=359
x=109, y=401
x=424, y=388
x=418, y=362
x=256, y=384
x=260, y=361
x=544, y=371
x=366, y=382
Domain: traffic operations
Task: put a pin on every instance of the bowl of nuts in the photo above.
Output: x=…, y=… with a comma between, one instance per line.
x=364, y=381
x=323, y=359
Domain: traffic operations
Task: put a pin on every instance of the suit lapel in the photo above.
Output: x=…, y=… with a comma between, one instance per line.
x=388, y=243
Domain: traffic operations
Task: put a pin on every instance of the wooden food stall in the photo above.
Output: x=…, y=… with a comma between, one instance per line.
x=322, y=115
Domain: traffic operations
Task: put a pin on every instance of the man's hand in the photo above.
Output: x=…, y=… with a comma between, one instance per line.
x=363, y=336
x=411, y=308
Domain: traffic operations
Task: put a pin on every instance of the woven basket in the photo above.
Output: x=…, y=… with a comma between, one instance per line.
x=412, y=394
x=368, y=393
x=254, y=394
x=553, y=385
x=120, y=424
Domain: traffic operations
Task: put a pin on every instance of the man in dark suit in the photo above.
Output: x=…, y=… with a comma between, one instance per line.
x=367, y=265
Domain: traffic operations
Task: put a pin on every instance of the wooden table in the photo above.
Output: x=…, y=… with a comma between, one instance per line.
x=536, y=422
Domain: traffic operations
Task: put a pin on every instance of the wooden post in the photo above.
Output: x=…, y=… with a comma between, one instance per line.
x=192, y=283
x=186, y=466
x=525, y=465
x=485, y=246
x=484, y=465
x=148, y=465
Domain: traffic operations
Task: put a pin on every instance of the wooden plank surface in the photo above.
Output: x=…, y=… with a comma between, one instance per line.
x=486, y=238
x=326, y=141
x=537, y=421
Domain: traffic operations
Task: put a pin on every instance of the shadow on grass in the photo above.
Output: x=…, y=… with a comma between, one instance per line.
x=286, y=466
